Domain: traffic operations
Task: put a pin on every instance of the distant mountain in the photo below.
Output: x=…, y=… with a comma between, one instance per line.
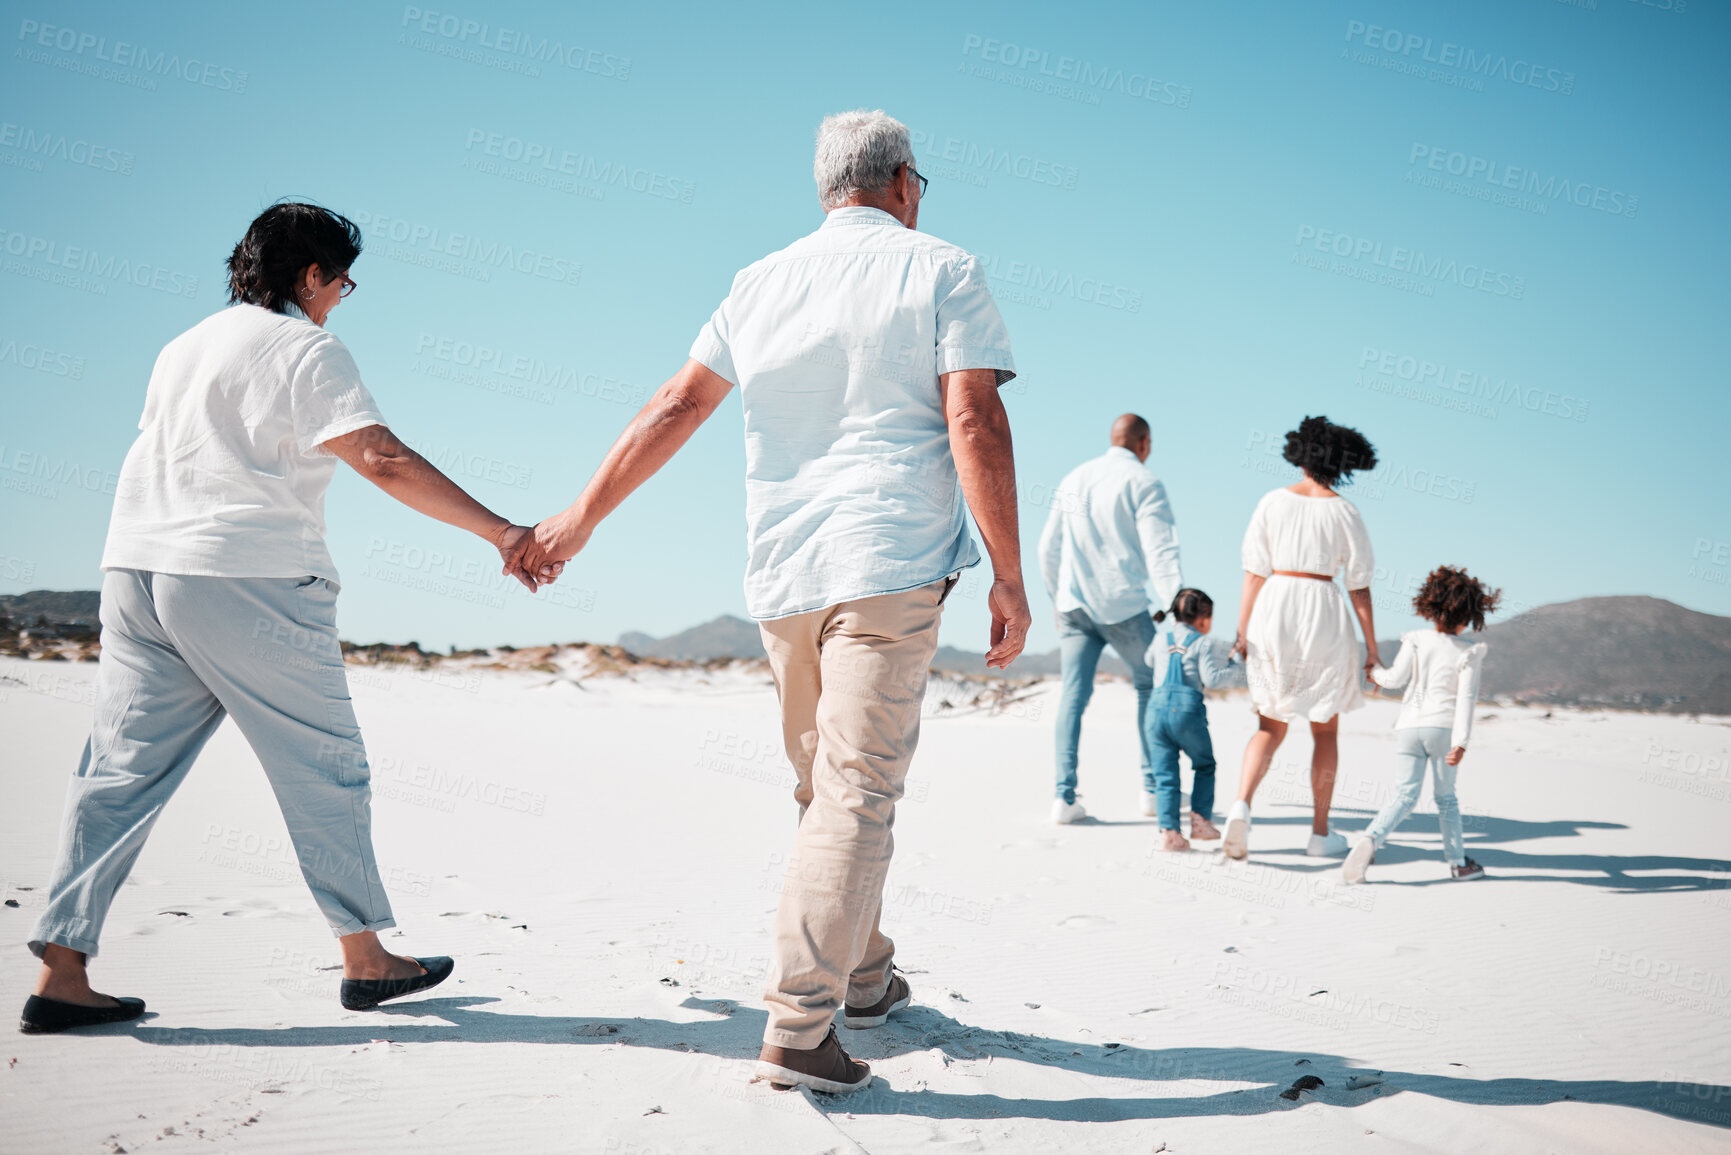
x=1632, y=653
x=725, y=637
x=1027, y=666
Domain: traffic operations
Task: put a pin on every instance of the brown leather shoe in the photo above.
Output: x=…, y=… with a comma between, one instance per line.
x=825, y=1067
x=896, y=996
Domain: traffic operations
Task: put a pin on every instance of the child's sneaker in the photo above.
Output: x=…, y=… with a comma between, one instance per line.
x=1330, y=845
x=1466, y=871
x=1363, y=854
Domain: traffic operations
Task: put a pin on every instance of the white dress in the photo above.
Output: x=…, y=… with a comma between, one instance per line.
x=1304, y=662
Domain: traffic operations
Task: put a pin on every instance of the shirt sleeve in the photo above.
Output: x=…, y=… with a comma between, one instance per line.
x=713, y=347
x=1395, y=676
x=1052, y=549
x=1159, y=538
x=1217, y=670
x=1467, y=695
x=971, y=332
x=1255, y=553
x=327, y=397
x=1360, y=561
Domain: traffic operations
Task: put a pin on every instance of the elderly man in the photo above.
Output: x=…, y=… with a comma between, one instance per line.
x=1109, y=540
x=868, y=357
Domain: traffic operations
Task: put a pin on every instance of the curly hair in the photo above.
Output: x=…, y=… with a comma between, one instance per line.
x=1329, y=453
x=279, y=245
x=1188, y=607
x=1453, y=598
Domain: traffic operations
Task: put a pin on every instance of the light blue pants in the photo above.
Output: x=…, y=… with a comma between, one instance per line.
x=1080, y=642
x=178, y=654
x=1414, y=748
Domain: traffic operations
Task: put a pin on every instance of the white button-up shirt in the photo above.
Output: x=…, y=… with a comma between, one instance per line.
x=1109, y=539
x=836, y=343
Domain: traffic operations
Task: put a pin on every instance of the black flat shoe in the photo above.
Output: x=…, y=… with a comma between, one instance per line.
x=46, y=1016
x=365, y=994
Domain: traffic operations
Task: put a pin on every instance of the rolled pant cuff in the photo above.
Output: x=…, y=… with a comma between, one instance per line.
x=58, y=937
x=805, y=1040
x=356, y=926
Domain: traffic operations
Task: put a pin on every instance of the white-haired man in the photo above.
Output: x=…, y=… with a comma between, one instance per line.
x=868, y=357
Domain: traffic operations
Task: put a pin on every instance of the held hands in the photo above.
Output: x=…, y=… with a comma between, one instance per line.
x=537, y=556
x=1240, y=647
x=1454, y=756
x=508, y=541
x=1008, y=602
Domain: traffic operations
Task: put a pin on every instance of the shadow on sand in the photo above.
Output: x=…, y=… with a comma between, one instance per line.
x=734, y=1032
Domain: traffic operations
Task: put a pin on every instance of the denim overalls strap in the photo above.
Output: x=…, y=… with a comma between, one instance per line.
x=1174, y=691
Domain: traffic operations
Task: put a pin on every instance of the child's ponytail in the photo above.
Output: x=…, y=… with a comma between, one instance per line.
x=1187, y=607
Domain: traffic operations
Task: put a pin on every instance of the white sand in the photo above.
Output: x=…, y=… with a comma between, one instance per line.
x=602, y=861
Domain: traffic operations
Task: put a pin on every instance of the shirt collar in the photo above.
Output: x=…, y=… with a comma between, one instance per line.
x=858, y=215
x=1120, y=451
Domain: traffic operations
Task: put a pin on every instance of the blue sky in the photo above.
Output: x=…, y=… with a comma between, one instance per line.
x=1484, y=234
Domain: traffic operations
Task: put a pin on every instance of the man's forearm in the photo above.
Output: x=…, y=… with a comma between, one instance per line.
x=658, y=431
x=986, y=464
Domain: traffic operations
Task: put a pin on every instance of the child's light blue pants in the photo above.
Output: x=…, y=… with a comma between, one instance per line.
x=1414, y=748
x=178, y=654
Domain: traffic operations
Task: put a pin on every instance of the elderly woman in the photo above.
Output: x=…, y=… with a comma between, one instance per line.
x=1303, y=663
x=219, y=600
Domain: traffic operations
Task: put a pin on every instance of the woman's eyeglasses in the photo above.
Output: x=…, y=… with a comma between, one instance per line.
x=348, y=285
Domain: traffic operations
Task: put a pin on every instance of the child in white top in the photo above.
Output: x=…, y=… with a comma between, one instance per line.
x=1440, y=671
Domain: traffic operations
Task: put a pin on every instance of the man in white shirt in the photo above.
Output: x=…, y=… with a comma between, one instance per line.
x=1108, y=541
x=868, y=358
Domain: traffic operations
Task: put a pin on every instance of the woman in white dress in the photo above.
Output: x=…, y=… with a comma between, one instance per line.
x=1294, y=628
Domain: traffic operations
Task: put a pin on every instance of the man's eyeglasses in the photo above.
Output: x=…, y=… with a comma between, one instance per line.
x=923, y=181
x=349, y=285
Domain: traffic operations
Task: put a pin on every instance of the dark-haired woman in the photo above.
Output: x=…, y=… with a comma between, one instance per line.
x=219, y=600
x=1294, y=628
x=1185, y=661
x=1440, y=670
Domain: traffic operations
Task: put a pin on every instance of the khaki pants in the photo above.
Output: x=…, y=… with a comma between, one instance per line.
x=851, y=679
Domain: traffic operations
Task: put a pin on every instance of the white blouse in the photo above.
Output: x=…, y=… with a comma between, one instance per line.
x=1441, y=674
x=1322, y=535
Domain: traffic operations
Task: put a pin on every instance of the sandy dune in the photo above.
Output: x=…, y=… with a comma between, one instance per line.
x=602, y=857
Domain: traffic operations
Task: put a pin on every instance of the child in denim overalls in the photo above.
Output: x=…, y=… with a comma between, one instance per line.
x=1185, y=660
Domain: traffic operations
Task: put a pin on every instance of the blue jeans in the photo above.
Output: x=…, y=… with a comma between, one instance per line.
x=1179, y=722
x=1080, y=640
x=179, y=654
x=1413, y=749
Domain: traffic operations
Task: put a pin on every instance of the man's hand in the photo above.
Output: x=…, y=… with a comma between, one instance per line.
x=544, y=550
x=1455, y=755
x=510, y=541
x=1010, y=621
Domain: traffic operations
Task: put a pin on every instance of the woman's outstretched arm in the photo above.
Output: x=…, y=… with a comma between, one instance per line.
x=1253, y=583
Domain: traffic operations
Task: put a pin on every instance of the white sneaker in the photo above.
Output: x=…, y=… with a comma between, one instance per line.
x=1150, y=804
x=1330, y=845
x=1235, y=843
x=1067, y=813
x=1363, y=854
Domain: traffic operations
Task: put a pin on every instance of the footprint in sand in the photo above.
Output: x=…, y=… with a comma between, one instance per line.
x=1085, y=921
